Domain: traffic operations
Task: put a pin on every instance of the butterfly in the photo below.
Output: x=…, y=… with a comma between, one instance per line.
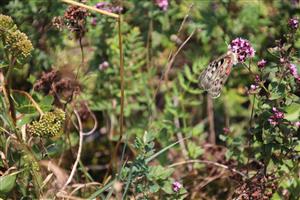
x=213, y=78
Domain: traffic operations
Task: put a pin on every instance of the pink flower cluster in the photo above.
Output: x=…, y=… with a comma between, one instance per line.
x=261, y=64
x=162, y=4
x=242, y=48
x=293, y=23
x=176, y=186
x=293, y=71
x=254, y=88
x=103, y=66
x=276, y=117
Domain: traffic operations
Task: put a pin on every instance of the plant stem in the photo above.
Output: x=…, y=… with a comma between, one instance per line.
x=121, y=119
x=7, y=88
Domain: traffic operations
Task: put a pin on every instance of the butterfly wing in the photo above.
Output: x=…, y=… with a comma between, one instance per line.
x=215, y=75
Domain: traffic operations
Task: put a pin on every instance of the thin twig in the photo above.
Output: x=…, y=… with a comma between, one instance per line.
x=32, y=100
x=121, y=120
x=103, y=12
x=210, y=114
x=249, y=132
x=184, y=19
x=79, y=151
x=79, y=186
x=63, y=196
x=210, y=163
x=95, y=123
x=170, y=63
x=179, y=134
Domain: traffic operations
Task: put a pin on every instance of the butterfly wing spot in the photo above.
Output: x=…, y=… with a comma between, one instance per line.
x=215, y=92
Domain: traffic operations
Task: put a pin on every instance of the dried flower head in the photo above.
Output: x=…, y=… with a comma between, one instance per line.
x=75, y=19
x=242, y=48
x=49, y=125
x=53, y=82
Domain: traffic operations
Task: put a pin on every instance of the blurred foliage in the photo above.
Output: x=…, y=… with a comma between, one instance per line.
x=163, y=102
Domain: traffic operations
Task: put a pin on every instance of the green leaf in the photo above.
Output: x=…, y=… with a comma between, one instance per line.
x=194, y=150
x=198, y=129
x=159, y=173
x=167, y=187
x=8, y=182
x=46, y=103
x=164, y=149
x=293, y=112
x=26, y=119
x=154, y=188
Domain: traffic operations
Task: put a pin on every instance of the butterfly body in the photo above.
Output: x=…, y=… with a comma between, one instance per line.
x=215, y=75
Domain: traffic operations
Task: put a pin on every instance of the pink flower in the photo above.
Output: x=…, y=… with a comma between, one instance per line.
x=242, y=48
x=272, y=122
x=176, y=186
x=262, y=63
x=297, y=124
x=293, y=70
x=162, y=4
x=103, y=66
x=253, y=87
x=101, y=5
x=294, y=23
x=257, y=78
x=226, y=130
x=276, y=117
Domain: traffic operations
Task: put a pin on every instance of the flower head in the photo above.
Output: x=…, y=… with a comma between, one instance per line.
x=226, y=130
x=257, y=78
x=6, y=22
x=18, y=44
x=276, y=117
x=297, y=124
x=294, y=23
x=162, y=4
x=176, y=186
x=49, y=125
x=242, y=48
x=293, y=70
x=103, y=66
x=254, y=89
x=261, y=64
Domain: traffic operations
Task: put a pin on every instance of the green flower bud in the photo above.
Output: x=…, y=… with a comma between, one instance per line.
x=50, y=124
x=6, y=23
x=17, y=44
